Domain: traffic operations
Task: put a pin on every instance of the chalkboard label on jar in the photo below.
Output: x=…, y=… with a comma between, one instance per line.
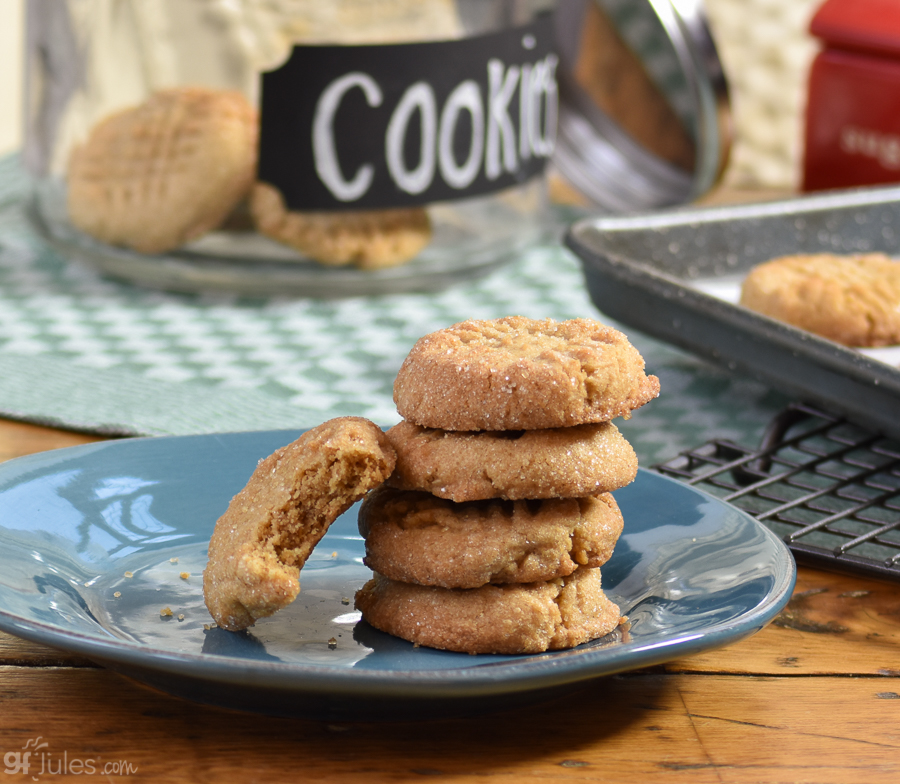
x=378, y=126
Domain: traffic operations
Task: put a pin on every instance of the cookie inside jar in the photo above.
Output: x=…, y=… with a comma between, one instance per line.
x=291, y=147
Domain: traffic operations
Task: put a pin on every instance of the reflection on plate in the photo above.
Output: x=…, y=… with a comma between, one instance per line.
x=470, y=238
x=97, y=540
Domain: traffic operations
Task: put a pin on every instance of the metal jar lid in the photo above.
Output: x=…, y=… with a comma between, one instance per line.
x=644, y=118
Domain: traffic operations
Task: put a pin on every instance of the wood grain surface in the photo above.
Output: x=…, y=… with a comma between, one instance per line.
x=814, y=697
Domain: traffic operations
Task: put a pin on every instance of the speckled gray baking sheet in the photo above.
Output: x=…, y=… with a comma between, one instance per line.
x=669, y=275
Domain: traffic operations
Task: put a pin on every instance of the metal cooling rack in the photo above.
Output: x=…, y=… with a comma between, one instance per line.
x=828, y=487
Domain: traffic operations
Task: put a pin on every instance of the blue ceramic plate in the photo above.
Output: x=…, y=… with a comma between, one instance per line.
x=97, y=540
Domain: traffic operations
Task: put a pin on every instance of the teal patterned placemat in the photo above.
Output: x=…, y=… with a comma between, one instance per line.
x=88, y=353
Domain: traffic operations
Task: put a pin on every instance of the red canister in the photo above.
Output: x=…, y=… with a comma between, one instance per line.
x=852, y=133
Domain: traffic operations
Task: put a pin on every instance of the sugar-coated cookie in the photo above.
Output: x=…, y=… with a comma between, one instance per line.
x=368, y=239
x=160, y=174
x=271, y=526
x=565, y=462
x=853, y=300
x=415, y=537
x=519, y=618
x=516, y=373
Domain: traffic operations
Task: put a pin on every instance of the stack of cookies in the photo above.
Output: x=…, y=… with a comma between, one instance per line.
x=490, y=533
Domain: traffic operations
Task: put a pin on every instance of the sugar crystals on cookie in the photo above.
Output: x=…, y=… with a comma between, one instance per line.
x=563, y=462
x=513, y=618
x=516, y=373
x=418, y=538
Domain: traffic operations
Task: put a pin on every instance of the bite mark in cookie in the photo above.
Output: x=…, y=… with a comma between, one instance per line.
x=516, y=373
x=272, y=525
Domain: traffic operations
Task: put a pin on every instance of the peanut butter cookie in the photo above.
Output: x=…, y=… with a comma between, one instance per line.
x=852, y=300
x=564, y=462
x=516, y=373
x=415, y=537
x=369, y=240
x=158, y=175
x=271, y=526
x=527, y=618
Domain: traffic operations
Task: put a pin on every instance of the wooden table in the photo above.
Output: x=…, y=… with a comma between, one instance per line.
x=815, y=697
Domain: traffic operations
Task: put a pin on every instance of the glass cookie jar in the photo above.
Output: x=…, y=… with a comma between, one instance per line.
x=290, y=146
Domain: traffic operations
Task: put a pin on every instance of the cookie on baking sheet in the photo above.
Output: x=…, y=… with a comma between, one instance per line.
x=271, y=526
x=520, y=618
x=853, y=300
x=565, y=462
x=415, y=537
x=516, y=373
x=369, y=240
x=160, y=174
